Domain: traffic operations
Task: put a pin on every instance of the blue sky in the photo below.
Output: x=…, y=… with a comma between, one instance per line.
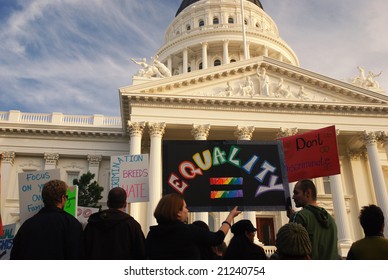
x=71, y=56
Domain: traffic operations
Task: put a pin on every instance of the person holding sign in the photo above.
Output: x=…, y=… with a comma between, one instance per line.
x=316, y=220
x=173, y=239
x=112, y=234
x=52, y=233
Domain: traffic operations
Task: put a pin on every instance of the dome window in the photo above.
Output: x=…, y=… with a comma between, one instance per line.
x=201, y=23
x=200, y=66
x=216, y=20
x=230, y=20
x=217, y=62
x=188, y=27
x=232, y=60
x=246, y=22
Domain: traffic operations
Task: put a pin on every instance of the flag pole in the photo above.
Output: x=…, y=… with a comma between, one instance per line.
x=243, y=30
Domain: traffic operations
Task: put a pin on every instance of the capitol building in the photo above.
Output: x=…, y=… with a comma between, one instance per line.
x=222, y=73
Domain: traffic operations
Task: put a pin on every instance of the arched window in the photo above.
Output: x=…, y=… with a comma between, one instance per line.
x=257, y=25
x=216, y=20
x=200, y=66
x=246, y=21
x=201, y=23
x=230, y=20
x=188, y=27
x=217, y=62
x=189, y=69
x=232, y=60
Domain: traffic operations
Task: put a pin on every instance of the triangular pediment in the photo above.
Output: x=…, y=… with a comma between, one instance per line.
x=259, y=82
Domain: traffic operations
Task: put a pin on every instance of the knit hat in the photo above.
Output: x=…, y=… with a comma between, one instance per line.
x=293, y=240
x=242, y=226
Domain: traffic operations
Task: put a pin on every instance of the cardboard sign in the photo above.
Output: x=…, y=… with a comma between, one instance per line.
x=218, y=175
x=6, y=241
x=130, y=172
x=30, y=191
x=312, y=154
x=72, y=200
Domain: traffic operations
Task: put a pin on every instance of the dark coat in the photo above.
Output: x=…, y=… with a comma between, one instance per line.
x=240, y=248
x=51, y=234
x=179, y=241
x=113, y=235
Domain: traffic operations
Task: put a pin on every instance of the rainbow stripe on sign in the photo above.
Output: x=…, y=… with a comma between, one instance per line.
x=226, y=194
x=226, y=181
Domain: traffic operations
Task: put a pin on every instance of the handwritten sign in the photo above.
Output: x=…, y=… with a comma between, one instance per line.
x=1, y=225
x=72, y=200
x=30, y=191
x=217, y=175
x=83, y=214
x=6, y=241
x=130, y=172
x=312, y=154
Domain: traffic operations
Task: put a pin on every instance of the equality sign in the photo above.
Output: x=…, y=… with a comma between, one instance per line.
x=72, y=200
x=6, y=241
x=218, y=175
x=130, y=172
x=312, y=154
x=30, y=191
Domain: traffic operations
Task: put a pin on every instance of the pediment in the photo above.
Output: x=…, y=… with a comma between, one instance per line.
x=262, y=82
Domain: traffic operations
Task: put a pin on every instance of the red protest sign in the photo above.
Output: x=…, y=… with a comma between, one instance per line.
x=312, y=154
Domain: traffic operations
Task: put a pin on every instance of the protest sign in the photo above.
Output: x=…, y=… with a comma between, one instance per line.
x=6, y=241
x=83, y=214
x=1, y=224
x=312, y=154
x=72, y=200
x=130, y=172
x=217, y=175
x=30, y=191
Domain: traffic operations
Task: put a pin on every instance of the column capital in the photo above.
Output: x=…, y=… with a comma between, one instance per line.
x=357, y=155
x=136, y=128
x=204, y=44
x=156, y=129
x=200, y=131
x=8, y=157
x=244, y=132
x=94, y=160
x=284, y=132
x=51, y=158
x=383, y=137
x=369, y=137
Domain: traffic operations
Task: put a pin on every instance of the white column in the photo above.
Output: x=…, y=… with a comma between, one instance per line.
x=265, y=51
x=344, y=235
x=383, y=137
x=226, y=52
x=248, y=51
x=156, y=131
x=135, y=130
x=245, y=133
x=370, y=140
x=51, y=160
x=185, y=60
x=94, y=165
x=7, y=161
x=204, y=55
x=201, y=132
x=169, y=63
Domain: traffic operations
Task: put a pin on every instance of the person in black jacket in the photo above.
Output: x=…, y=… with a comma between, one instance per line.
x=52, y=233
x=241, y=246
x=112, y=234
x=173, y=239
